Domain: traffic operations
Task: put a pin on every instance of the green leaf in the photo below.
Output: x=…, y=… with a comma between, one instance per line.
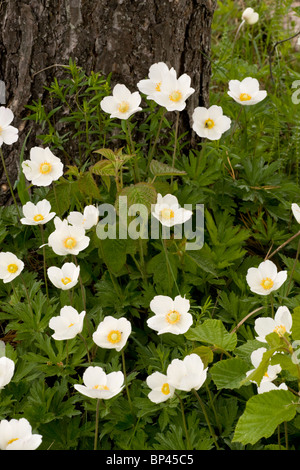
x=161, y=169
x=263, y=413
x=140, y=193
x=213, y=332
x=103, y=168
x=229, y=373
x=296, y=323
x=205, y=353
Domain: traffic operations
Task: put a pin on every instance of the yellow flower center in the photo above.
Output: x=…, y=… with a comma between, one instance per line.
x=173, y=317
x=267, y=283
x=114, y=336
x=280, y=330
x=100, y=387
x=45, y=168
x=165, y=389
x=266, y=374
x=167, y=214
x=209, y=124
x=158, y=85
x=12, y=268
x=0, y=130
x=38, y=217
x=70, y=242
x=175, y=96
x=245, y=97
x=12, y=440
x=71, y=324
x=123, y=106
x=65, y=280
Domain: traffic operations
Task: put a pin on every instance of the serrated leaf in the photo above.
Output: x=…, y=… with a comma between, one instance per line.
x=140, y=193
x=213, y=332
x=88, y=186
x=263, y=413
x=229, y=373
x=103, y=168
x=107, y=153
x=296, y=323
x=162, y=169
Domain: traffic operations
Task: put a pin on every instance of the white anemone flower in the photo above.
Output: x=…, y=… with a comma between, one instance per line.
x=43, y=167
x=65, y=277
x=174, y=92
x=161, y=390
x=10, y=266
x=265, y=278
x=168, y=211
x=187, y=374
x=122, y=104
x=37, y=214
x=157, y=75
x=171, y=316
x=296, y=212
x=250, y=16
x=112, y=333
x=271, y=373
x=280, y=324
x=16, y=434
x=7, y=369
x=8, y=133
x=67, y=239
x=87, y=220
x=210, y=122
x=246, y=92
x=68, y=324
x=267, y=386
x=98, y=384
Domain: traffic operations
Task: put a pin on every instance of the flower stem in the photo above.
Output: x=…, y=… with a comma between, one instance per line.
x=283, y=245
x=44, y=259
x=86, y=347
x=206, y=418
x=184, y=423
x=9, y=183
x=156, y=139
x=125, y=379
x=175, y=145
x=97, y=424
x=293, y=269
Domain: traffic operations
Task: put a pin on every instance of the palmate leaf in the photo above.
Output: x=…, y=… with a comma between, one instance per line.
x=263, y=413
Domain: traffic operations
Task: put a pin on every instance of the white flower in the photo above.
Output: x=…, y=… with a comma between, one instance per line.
x=10, y=266
x=265, y=278
x=187, y=374
x=67, y=239
x=210, y=123
x=171, y=316
x=296, y=212
x=112, y=333
x=122, y=104
x=38, y=214
x=267, y=386
x=65, y=277
x=98, y=384
x=168, y=211
x=174, y=92
x=87, y=220
x=43, y=167
x=68, y=324
x=250, y=16
x=280, y=324
x=7, y=368
x=17, y=435
x=161, y=389
x=157, y=75
x=246, y=92
x=271, y=373
x=8, y=134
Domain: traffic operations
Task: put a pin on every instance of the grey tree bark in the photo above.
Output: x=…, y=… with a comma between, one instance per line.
x=124, y=37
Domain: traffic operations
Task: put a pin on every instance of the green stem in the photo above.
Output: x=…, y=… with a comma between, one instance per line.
x=9, y=183
x=86, y=347
x=293, y=269
x=170, y=270
x=27, y=295
x=156, y=139
x=125, y=379
x=184, y=423
x=44, y=259
x=175, y=145
x=97, y=424
x=131, y=151
x=206, y=418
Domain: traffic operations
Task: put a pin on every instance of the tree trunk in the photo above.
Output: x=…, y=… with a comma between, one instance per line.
x=124, y=37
